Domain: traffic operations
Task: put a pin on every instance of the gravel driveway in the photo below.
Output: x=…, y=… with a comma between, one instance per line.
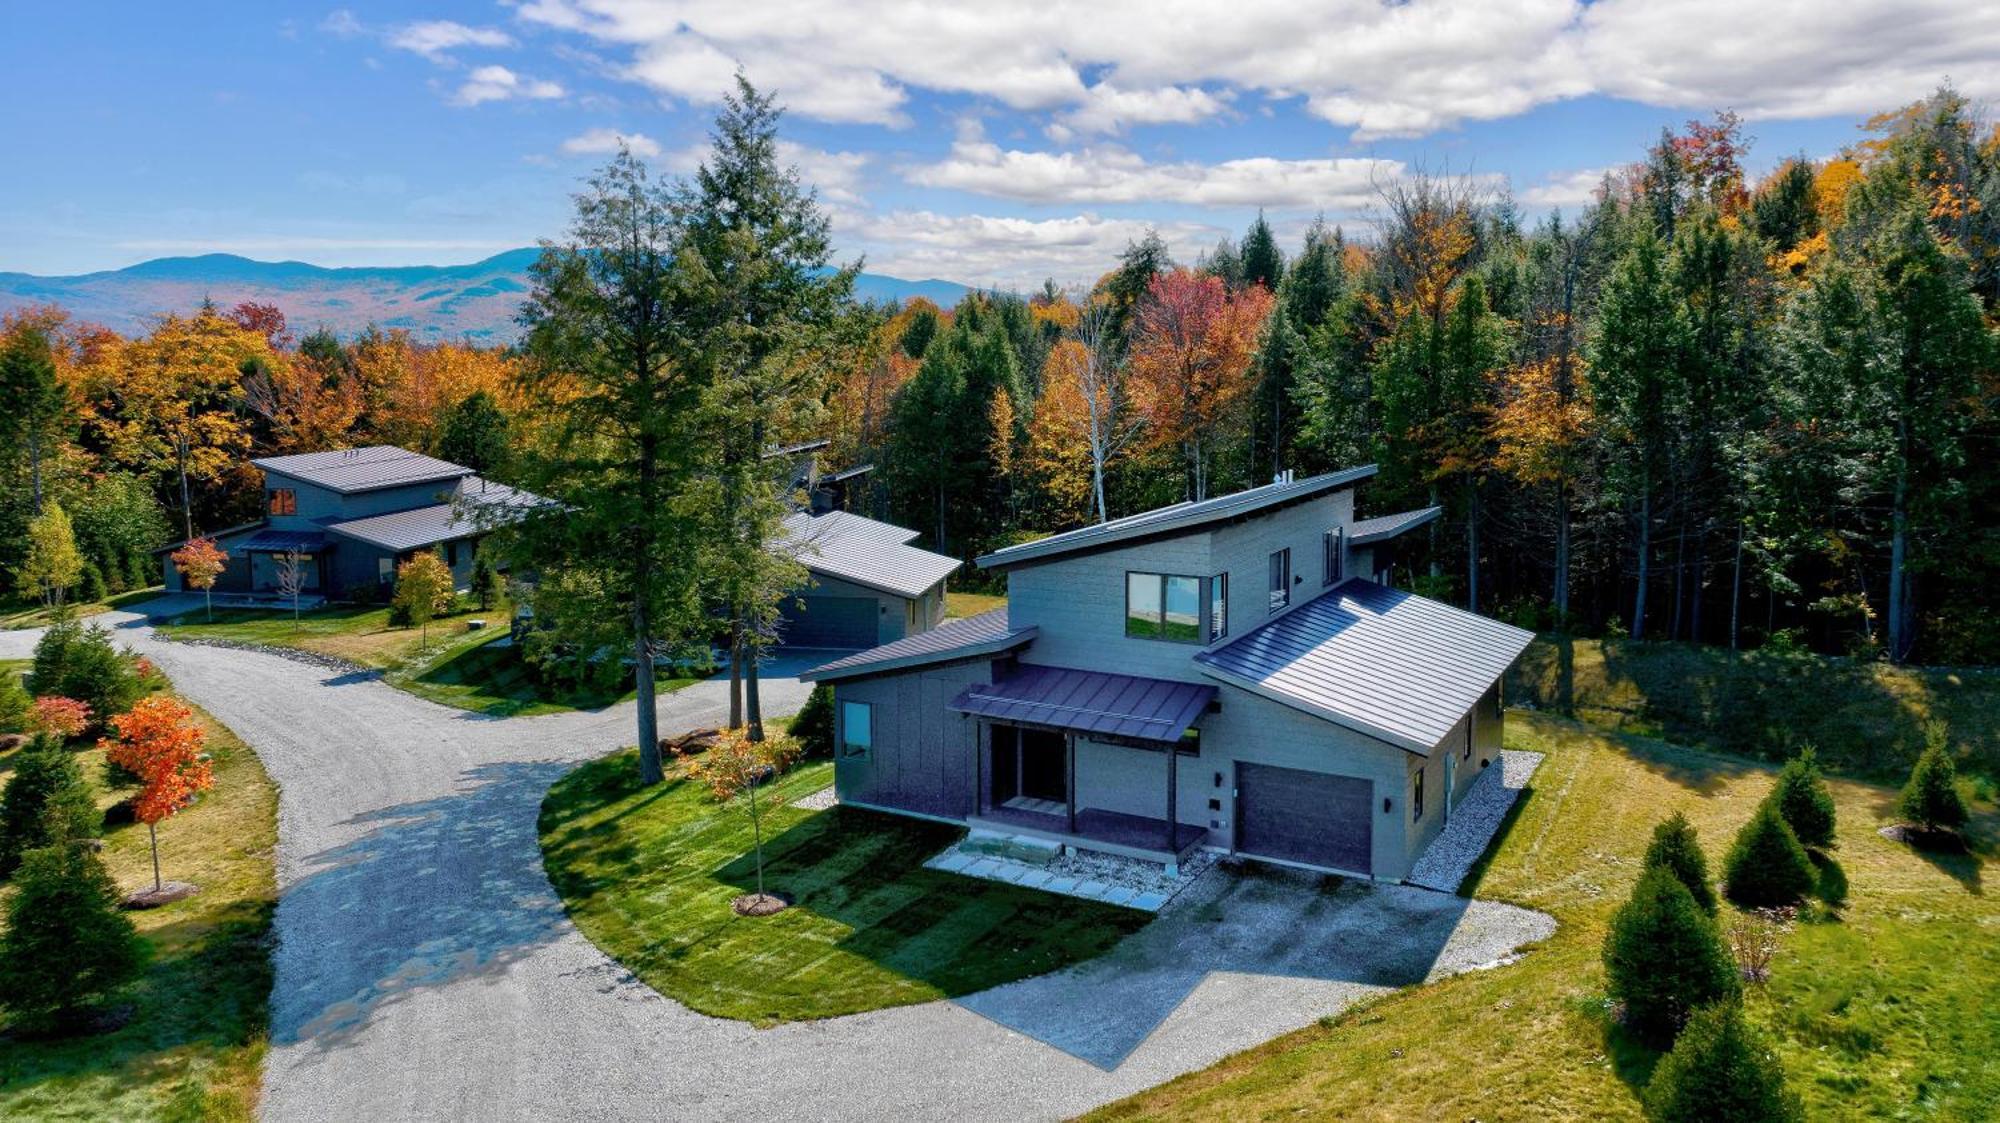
x=425, y=969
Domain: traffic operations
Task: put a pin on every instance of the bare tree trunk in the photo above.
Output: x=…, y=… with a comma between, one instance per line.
x=1736, y=593
x=650, y=769
x=736, y=673
x=187, y=504
x=753, y=700
x=1699, y=578
x=1899, y=578
x=153, y=833
x=1680, y=565
x=1562, y=556
x=1645, y=553
x=1471, y=546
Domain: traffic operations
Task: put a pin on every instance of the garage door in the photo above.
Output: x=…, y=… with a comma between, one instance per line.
x=1299, y=816
x=844, y=622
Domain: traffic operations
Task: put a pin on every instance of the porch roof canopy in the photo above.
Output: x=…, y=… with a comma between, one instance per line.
x=283, y=541
x=1090, y=702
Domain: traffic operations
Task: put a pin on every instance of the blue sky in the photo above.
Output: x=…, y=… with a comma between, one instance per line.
x=989, y=144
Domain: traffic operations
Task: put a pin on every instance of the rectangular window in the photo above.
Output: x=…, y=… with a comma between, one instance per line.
x=1164, y=606
x=1281, y=579
x=451, y=554
x=1142, y=605
x=857, y=730
x=1218, y=606
x=1184, y=609
x=385, y=570
x=1334, y=545
x=284, y=501
x=1417, y=796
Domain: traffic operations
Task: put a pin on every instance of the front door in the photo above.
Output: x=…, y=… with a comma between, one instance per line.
x=1044, y=765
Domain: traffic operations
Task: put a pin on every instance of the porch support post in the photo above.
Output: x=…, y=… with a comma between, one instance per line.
x=1069, y=785
x=1173, y=813
x=981, y=755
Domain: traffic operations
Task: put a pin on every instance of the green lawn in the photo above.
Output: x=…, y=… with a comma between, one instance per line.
x=971, y=604
x=648, y=875
x=458, y=667
x=32, y=615
x=194, y=1048
x=1889, y=1010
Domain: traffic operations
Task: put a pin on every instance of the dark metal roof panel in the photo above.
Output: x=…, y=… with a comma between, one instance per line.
x=279, y=541
x=480, y=502
x=1179, y=517
x=349, y=470
x=864, y=551
x=969, y=637
x=1092, y=702
x=1384, y=527
x=1388, y=663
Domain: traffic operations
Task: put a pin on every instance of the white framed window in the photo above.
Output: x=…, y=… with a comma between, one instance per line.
x=1218, y=606
x=857, y=730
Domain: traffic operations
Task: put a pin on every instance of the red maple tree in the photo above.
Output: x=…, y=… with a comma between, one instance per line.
x=159, y=742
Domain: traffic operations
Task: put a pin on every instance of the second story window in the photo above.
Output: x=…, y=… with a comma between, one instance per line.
x=1163, y=606
x=1281, y=579
x=284, y=501
x=1334, y=544
x=1218, y=606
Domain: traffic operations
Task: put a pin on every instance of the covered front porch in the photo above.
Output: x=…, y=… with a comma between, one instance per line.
x=1038, y=724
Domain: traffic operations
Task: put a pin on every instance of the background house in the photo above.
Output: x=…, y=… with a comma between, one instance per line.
x=355, y=515
x=1224, y=674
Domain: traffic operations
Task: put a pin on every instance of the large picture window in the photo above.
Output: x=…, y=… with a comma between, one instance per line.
x=1281, y=579
x=857, y=730
x=1164, y=606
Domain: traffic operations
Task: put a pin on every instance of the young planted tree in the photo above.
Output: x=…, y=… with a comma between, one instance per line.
x=53, y=564
x=67, y=947
x=159, y=741
x=1803, y=801
x=200, y=562
x=1676, y=849
x=293, y=573
x=618, y=437
x=46, y=798
x=1720, y=1070
x=757, y=309
x=487, y=583
x=1663, y=958
x=1930, y=800
x=1767, y=867
x=734, y=768
x=424, y=590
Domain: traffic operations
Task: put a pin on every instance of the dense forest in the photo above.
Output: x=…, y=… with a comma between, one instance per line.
x=1704, y=408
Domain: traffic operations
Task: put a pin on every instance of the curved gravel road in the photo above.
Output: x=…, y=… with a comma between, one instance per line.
x=426, y=970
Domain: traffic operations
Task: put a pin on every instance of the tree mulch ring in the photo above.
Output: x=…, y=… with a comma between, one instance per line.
x=761, y=904
x=166, y=894
x=693, y=741
x=1941, y=842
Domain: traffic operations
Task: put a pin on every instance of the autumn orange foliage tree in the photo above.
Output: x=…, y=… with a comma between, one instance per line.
x=1191, y=351
x=58, y=716
x=159, y=742
x=200, y=562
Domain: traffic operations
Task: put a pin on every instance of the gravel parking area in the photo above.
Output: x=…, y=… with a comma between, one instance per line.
x=1474, y=819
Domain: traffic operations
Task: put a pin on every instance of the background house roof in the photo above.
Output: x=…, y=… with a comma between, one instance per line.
x=439, y=522
x=966, y=638
x=1390, y=664
x=369, y=468
x=869, y=553
x=1384, y=527
x=1148, y=709
x=1177, y=519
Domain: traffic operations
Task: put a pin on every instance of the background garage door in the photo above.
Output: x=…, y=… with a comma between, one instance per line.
x=847, y=622
x=1300, y=816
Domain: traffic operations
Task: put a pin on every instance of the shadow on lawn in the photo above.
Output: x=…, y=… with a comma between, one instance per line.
x=436, y=891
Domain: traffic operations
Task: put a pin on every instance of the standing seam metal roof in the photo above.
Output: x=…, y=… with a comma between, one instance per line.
x=985, y=634
x=369, y=468
x=439, y=522
x=1382, y=527
x=1387, y=663
x=864, y=551
x=1179, y=517
x=1149, y=709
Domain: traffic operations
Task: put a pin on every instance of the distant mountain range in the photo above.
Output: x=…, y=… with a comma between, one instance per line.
x=478, y=301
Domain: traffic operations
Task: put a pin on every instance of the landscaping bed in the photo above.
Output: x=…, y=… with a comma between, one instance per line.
x=649, y=875
x=194, y=1043
x=1883, y=1010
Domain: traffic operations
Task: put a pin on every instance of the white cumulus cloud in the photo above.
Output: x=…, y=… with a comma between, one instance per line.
x=497, y=83
x=596, y=142
x=433, y=39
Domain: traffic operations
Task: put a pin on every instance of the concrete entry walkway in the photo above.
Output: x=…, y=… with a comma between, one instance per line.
x=426, y=970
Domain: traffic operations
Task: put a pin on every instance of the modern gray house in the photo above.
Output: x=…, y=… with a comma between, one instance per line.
x=354, y=515
x=1231, y=674
x=868, y=585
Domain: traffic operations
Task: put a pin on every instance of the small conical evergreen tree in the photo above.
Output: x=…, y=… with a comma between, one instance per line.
x=1931, y=800
x=1663, y=958
x=1676, y=849
x=1767, y=866
x=1804, y=802
x=1720, y=1070
x=67, y=947
x=46, y=787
